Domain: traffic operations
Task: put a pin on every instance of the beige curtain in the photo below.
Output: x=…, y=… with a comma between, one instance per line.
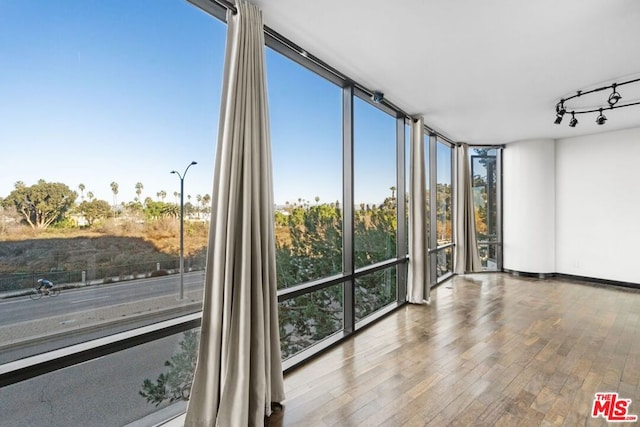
x=239, y=370
x=466, y=256
x=418, y=283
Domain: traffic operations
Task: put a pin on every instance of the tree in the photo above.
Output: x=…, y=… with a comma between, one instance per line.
x=199, y=206
x=139, y=188
x=94, y=210
x=155, y=210
x=90, y=195
x=206, y=207
x=114, y=190
x=170, y=210
x=163, y=194
x=41, y=204
x=309, y=247
x=176, y=383
x=81, y=187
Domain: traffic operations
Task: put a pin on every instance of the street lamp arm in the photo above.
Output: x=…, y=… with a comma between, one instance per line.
x=185, y=171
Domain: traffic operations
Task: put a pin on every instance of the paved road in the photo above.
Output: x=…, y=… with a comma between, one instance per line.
x=70, y=301
x=31, y=327
x=102, y=392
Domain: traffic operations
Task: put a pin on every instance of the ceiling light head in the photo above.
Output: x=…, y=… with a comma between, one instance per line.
x=560, y=110
x=573, y=121
x=614, y=97
x=558, y=119
x=601, y=119
x=377, y=97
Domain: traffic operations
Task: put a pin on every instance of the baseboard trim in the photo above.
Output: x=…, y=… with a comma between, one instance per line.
x=574, y=278
x=528, y=274
x=596, y=280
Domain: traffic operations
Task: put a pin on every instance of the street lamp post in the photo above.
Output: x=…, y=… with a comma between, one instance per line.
x=182, y=225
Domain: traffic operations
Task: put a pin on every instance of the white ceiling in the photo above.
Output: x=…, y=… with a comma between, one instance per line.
x=483, y=72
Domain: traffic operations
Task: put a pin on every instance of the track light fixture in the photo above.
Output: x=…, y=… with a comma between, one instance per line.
x=614, y=97
x=560, y=111
x=573, y=122
x=612, y=104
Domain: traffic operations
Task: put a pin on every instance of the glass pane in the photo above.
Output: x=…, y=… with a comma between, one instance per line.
x=374, y=291
x=443, y=195
x=444, y=261
x=106, y=391
x=310, y=318
x=427, y=185
x=488, y=256
x=407, y=171
x=306, y=136
x=485, y=180
x=485, y=202
x=123, y=95
x=375, y=184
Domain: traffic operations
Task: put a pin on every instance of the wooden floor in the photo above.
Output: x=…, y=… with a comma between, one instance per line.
x=490, y=349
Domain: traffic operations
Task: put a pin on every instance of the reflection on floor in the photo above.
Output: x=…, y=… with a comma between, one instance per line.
x=490, y=349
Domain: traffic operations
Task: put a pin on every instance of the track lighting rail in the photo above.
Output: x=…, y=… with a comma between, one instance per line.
x=611, y=104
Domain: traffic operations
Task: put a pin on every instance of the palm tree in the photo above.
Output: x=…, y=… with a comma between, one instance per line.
x=139, y=188
x=171, y=210
x=90, y=195
x=81, y=187
x=175, y=195
x=393, y=192
x=114, y=190
x=163, y=194
x=199, y=200
x=206, y=199
x=158, y=195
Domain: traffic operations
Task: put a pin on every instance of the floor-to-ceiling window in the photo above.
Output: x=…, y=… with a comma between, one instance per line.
x=306, y=139
x=101, y=101
x=340, y=202
x=486, y=196
x=441, y=212
x=375, y=205
x=338, y=159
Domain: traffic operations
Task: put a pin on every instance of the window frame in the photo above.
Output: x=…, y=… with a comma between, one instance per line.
x=33, y=366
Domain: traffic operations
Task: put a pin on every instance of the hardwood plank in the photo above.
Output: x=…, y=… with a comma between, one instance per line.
x=492, y=350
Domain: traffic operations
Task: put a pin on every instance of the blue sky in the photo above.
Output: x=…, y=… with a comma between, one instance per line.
x=102, y=91
x=126, y=91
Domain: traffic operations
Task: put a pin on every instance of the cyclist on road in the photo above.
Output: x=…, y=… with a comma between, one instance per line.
x=47, y=285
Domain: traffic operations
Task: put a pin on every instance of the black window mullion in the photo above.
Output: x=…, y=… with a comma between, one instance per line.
x=347, y=208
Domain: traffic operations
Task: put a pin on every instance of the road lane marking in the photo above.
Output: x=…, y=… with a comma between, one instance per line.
x=89, y=299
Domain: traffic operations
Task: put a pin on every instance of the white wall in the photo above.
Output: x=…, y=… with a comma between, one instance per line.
x=529, y=206
x=598, y=205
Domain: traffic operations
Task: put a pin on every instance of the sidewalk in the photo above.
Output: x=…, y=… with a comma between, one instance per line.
x=23, y=333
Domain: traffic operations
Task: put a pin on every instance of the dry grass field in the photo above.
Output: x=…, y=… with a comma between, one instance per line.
x=25, y=250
